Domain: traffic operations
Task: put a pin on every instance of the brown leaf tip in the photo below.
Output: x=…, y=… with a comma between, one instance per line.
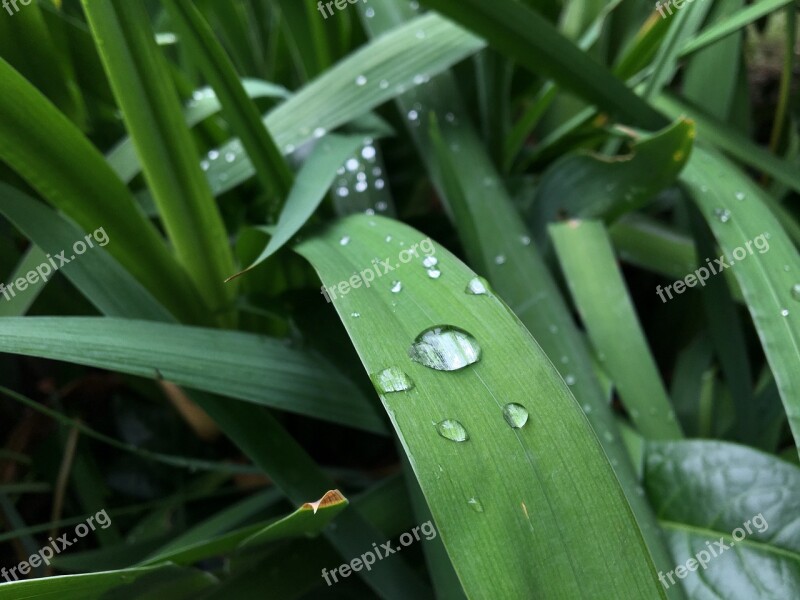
x=331, y=498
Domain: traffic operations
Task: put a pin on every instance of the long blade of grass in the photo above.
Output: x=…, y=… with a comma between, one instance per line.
x=271, y=169
x=590, y=266
x=142, y=84
x=17, y=306
x=734, y=208
x=238, y=365
x=537, y=475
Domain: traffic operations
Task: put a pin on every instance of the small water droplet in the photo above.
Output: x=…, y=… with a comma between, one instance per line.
x=553, y=328
x=430, y=261
x=213, y=155
x=784, y=313
x=740, y=196
x=369, y=13
x=414, y=5
x=361, y=80
x=288, y=149
x=526, y=241
x=434, y=273
x=368, y=152
x=515, y=415
x=723, y=215
x=381, y=205
x=477, y=286
x=587, y=408
x=391, y=380
x=319, y=132
x=379, y=184
x=609, y=437
x=204, y=165
x=230, y=157
x=500, y=259
x=355, y=315
x=421, y=35
x=796, y=291
x=342, y=192
x=450, y=117
x=475, y=504
x=569, y=379
x=361, y=186
x=345, y=240
x=445, y=348
x=397, y=287
x=413, y=116
x=452, y=430
x=383, y=84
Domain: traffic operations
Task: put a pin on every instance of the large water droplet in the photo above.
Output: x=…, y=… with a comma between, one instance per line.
x=445, y=348
x=430, y=261
x=475, y=504
x=434, y=273
x=477, y=286
x=452, y=430
x=515, y=415
x=391, y=380
x=723, y=215
x=361, y=80
x=397, y=287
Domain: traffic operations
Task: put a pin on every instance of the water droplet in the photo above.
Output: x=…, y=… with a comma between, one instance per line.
x=342, y=192
x=381, y=206
x=450, y=117
x=740, y=196
x=434, y=273
x=475, y=504
x=796, y=291
x=288, y=149
x=430, y=261
x=413, y=115
x=355, y=315
x=526, y=241
x=569, y=379
x=361, y=80
x=477, y=286
x=515, y=415
x=383, y=84
x=420, y=79
x=351, y=164
x=553, y=328
x=452, y=430
x=421, y=35
x=368, y=152
x=230, y=157
x=213, y=155
x=369, y=211
x=587, y=408
x=784, y=313
x=319, y=132
x=204, y=165
x=345, y=240
x=397, y=287
x=445, y=348
x=500, y=259
x=391, y=380
x=361, y=176
x=723, y=215
x=379, y=184
x=414, y=5
x=608, y=436
x=361, y=186
x=370, y=12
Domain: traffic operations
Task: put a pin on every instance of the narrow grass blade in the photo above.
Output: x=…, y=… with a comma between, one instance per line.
x=308, y=520
x=142, y=84
x=507, y=26
x=734, y=208
x=312, y=184
x=472, y=402
x=17, y=306
x=589, y=264
x=242, y=114
x=53, y=156
x=237, y=365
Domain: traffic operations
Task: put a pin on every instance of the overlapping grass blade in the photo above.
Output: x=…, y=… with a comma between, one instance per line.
x=142, y=84
x=524, y=510
x=589, y=264
x=734, y=208
x=238, y=365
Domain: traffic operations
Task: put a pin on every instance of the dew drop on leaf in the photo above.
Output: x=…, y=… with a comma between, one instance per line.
x=796, y=291
x=434, y=273
x=452, y=430
x=445, y=348
x=391, y=380
x=477, y=286
x=344, y=241
x=430, y=262
x=397, y=287
x=475, y=504
x=723, y=215
x=515, y=415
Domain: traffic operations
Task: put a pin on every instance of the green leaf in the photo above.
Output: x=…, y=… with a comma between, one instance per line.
x=17, y=306
x=507, y=26
x=238, y=365
x=142, y=84
x=590, y=186
x=334, y=98
x=734, y=208
x=596, y=282
x=310, y=188
x=53, y=156
x=308, y=520
x=95, y=586
x=703, y=491
x=241, y=112
x=524, y=510
x=102, y=280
